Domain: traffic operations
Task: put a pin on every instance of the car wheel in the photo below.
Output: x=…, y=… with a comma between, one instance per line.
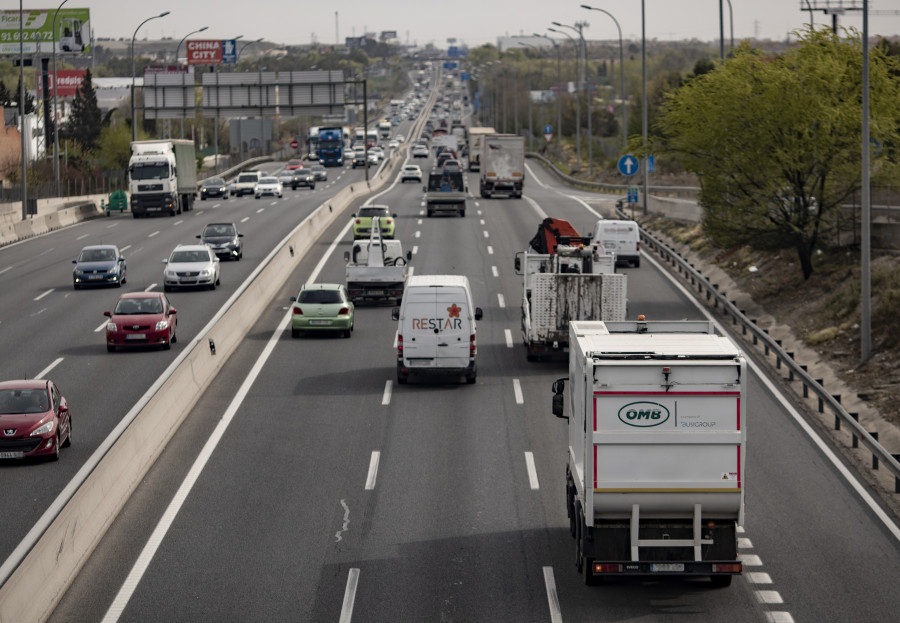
x=218, y=281
x=55, y=456
x=68, y=442
x=295, y=332
x=167, y=289
x=202, y=198
x=312, y=186
x=119, y=283
x=257, y=196
x=212, y=286
x=125, y=278
x=174, y=338
x=110, y=348
x=167, y=345
x=76, y=286
x=346, y=333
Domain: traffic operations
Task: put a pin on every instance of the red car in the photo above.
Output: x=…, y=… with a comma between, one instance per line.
x=294, y=164
x=34, y=420
x=141, y=319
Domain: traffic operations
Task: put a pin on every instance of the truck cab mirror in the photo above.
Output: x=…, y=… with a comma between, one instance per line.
x=478, y=313
x=346, y=256
x=518, y=264
x=559, y=405
x=395, y=313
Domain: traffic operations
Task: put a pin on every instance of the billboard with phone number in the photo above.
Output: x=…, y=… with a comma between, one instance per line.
x=72, y=34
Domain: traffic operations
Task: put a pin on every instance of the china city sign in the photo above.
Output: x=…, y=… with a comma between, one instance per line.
x=210, y=51
x=71, y=36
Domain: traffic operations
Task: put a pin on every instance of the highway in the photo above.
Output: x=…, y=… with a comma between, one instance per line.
x=307, y=485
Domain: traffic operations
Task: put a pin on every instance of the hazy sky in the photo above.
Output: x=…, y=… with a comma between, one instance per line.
x=472, y=22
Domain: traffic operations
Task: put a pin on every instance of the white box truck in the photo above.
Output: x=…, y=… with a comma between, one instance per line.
x=473, y=148
x=162, y=177
x=657, y=430
x=564, y=279
x=502, y=165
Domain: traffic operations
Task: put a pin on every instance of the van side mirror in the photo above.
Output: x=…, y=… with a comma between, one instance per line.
x=478, y=313
x=559, y=385
x=395, y=313
x=408, y=255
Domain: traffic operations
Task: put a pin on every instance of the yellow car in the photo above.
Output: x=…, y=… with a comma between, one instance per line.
x=362, y=224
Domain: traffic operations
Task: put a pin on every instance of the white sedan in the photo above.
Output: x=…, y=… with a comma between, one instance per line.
x=269, y=186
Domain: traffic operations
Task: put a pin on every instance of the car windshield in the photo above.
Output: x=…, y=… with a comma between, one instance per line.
x=320, y=296
x=149, y=171
x=24, y=401
x=179, y=257
x=97, y=255
x=318, y=167
x=219, y=230
x=138, y=306
x=216, y=181
x=247, y=178
x=370, y=212
x=268, y=180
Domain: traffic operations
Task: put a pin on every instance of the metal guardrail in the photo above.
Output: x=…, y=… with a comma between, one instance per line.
x=796, y=371
x=686, y=192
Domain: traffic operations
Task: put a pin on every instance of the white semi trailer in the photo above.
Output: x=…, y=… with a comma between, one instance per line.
x=657, y=427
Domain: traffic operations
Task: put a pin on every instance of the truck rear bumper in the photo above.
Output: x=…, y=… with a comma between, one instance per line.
x=603, y=568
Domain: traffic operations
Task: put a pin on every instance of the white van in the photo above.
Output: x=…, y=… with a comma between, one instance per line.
x=619, y=237
x=437, y=327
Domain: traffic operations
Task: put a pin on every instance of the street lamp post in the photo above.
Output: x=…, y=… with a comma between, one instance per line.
x=621, y=73
x=530, y=117
x=177, y=50
x=558, y=98
x=133, y=37
x=577, y=97
x=55, y=113
x=216, y=127
x=237, y=57
x=644, y=98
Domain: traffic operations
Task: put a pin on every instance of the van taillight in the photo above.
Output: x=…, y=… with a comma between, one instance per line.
x=399, y=346
x=638, y=246
x=298, y=311
x=472, y=347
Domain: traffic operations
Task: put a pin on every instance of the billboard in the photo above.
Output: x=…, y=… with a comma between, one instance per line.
x=72, y=36
x=211, y=51
x=68, y=81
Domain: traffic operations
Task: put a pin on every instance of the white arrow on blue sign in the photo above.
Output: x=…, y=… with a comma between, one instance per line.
x=629, y=165
x=548, y=129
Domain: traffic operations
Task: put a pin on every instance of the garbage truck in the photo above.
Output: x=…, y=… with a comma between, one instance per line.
x=657, y=428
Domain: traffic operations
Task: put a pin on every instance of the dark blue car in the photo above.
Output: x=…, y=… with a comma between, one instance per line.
x=99, y=265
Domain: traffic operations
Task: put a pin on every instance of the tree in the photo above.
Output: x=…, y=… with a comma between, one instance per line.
x=776, y=141
x=29, y=99
x=85, y=122
x=5, y=96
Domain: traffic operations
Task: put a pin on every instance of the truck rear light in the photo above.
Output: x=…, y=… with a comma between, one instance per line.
x=601, y=567
x=297, y=311
x=344, y=311
x=726, y=567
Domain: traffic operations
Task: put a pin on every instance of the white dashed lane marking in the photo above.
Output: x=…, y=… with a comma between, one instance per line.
x=517, y=389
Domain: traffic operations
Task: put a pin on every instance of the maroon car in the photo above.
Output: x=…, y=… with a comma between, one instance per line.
x=141, y=319
x=34, y=420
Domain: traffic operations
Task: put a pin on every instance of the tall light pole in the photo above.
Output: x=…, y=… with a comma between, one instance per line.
x=530, y=117
x=133, y=37
x=621, y=74
x=216, y=125
x=177, y=50
x=238, y=55
x=866, y=230
x=55, y=113
x=644, y=98
x=731, y=26
x=558, y=97
x=22, y=110
x=579, y=28
x=577, y=97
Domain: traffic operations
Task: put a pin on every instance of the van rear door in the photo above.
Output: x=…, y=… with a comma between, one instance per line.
x=452, y=308
x=437, y=327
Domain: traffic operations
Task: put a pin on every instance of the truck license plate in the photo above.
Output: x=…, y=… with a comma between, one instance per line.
x=667, y=567
x=376, y=292
x=11, y=455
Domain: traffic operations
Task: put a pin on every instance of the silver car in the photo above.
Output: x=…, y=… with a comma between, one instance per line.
x=191, y=265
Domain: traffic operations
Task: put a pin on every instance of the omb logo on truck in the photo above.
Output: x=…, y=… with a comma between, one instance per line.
x=643, y=414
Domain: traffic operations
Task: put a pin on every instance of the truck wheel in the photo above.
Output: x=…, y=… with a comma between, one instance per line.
x=462, y=213
x=721, y=581
x=430, y=213
x=579, y=560
x=470, y=379
x=570, y=509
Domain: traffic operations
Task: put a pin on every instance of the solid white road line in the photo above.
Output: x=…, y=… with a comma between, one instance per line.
x=349, y=596
x=111, y=225
x=534, y=177
x=101, y=327
x=517, y=388
x=46, y=370
x=494, y=271
x=373, y=470
x=245, y=219
x=534, y=204
x=82, y=236
x=532, y=471
x=150, y=287
x=501, y=301
x=779, y=617
x=506, y=332
x=5, y=269
x=386, y=397
x=552, y=597
x=125, y=248
x=40, y=296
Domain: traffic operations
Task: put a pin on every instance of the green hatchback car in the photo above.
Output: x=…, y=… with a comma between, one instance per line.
x=362, y=223
x=321, y=307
